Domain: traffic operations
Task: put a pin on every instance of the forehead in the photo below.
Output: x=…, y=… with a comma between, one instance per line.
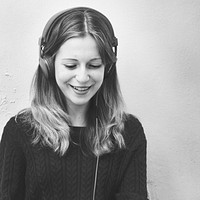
x=79, y=47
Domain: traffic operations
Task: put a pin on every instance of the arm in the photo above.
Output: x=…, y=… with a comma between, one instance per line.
x=133, y=184
x=12, y=164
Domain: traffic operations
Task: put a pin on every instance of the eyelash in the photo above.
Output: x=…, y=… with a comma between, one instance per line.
x=95, y=66
x=91, y=66
x=70, y=66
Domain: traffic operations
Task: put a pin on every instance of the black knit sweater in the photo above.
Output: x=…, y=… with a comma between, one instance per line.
x=35, y=172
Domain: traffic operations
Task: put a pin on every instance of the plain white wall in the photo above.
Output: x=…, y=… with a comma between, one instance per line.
x=158, y=65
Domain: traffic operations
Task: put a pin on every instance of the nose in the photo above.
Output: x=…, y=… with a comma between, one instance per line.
x=82, y=75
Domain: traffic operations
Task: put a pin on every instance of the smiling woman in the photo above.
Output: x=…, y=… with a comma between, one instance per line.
x=75, y=141
x=79, y=73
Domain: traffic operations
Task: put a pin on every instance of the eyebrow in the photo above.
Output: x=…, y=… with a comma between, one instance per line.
x=73, y=59
x=95, y=59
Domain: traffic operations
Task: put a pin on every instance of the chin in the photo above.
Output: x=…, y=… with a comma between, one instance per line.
x=80, y=103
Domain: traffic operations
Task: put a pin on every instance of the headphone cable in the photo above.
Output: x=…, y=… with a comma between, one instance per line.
x=95, y=178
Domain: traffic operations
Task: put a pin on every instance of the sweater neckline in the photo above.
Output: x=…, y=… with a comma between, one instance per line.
x=75, y=133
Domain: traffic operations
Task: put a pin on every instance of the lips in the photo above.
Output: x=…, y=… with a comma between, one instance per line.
x=81, y=88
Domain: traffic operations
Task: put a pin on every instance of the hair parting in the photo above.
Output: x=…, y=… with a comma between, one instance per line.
x=48, y=114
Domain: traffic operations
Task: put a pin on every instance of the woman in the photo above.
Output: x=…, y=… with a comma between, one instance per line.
x=75, y=141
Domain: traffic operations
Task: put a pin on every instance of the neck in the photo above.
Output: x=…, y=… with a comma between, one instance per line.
x=78, y=115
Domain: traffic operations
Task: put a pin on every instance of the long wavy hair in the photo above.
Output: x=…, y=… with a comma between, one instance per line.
x=48, y=114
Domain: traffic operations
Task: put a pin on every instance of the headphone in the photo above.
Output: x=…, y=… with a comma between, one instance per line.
x=44, y=61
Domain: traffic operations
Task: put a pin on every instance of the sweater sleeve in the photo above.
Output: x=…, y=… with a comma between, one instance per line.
x=12, y=164
x=133, y=184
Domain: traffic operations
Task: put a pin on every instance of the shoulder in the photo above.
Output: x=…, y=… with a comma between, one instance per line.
x=132, y=121
x=11, y=126
x=10, y=138
x=15, y=129
x=16, y=122
x=133, y=132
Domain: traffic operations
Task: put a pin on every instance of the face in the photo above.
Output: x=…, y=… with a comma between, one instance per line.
x=79, y=70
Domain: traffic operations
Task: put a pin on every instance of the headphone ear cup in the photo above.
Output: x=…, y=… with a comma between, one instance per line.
x=44, y=64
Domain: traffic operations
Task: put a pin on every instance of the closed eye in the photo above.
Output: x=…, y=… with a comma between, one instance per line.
x=95, y=66
x=70, y=66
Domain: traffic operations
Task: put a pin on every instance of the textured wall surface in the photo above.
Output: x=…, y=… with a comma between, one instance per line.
x=158, y=65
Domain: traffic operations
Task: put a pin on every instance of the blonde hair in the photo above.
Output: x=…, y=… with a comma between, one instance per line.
x=48, y=114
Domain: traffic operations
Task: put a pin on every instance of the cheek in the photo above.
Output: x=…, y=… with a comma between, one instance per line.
x=99, y=76
x=59, y=72
x=101, y=80
x=61, y=75
x=58, y=77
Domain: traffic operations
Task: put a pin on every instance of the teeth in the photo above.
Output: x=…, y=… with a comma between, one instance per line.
x=80, y=88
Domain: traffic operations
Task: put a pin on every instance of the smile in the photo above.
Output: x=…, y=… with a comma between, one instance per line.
x=80, y=88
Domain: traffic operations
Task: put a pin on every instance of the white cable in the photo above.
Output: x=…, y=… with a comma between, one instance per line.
x=95, y=178
x=97, y=161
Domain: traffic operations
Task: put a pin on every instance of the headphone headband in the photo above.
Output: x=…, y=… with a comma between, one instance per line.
x=48, y=29
x=50, y=24
x=56, y=17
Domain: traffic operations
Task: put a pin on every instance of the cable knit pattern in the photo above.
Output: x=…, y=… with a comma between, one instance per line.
x=35, y=172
